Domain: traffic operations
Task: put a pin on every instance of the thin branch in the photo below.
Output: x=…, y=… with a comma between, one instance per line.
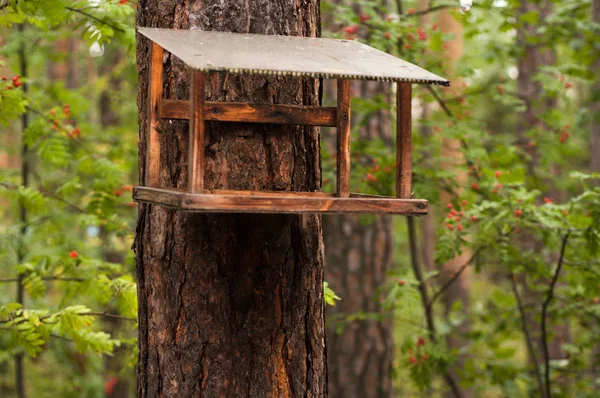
x=544, y=316
x=454, y=277
x=80, y=11
x=430, y=10
x=412, y=236
x=538, y=373
x=108, y=315
x=45, y=278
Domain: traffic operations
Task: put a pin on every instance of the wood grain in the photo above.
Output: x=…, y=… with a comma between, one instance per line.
x=196, y=141
x=343, y=138
x=404, y=140
x=253, y=113
x=154, y=98
x=277, y=202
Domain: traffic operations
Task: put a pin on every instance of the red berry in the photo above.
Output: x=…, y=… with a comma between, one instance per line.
x=453, y=212
x=450, y=215
x=411, y=37
x=412, y=360
x=460, y=227
x=449, y=226
x=548, y=200
x=52, y=112
x=407, y=46
x=421, y=341
x=498, y=174
x=411, y=11
x=437, y=129
x=568, y=86
x=518, y=212
x=387, y=35
x=351, y=29
x=473, y=218
x=122, y=2
x=118, y=192
x=434, y=27
x=464, y=202
x=132, y=204
x=73, y=254
x=500, y=90
x=457, y=219
x=3, y=77
x=498, y=186
x=565, y=212
x=475, y=186
x=401, y=282
x=77, y=132
x=9, y=87
x=596, y=300
x=518, y=230
x=364, y=18
x=495, y=191
x=449, y=205
x=17, y=83
x=462, y=213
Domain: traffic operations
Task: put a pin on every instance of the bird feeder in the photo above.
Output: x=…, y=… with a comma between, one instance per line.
x=236, y=53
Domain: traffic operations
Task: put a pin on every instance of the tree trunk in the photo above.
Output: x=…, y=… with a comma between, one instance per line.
x=232, y=305
x=460, y=290
x=357, y=257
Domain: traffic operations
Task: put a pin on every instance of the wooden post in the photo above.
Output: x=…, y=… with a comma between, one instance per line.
x=343, y=138
x=154, y=97
x=196, y=153
x=403, y=140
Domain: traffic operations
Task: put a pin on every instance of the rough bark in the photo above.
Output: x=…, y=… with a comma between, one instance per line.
x=232, y=305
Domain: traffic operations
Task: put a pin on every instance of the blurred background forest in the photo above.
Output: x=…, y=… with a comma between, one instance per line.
x=496, y=293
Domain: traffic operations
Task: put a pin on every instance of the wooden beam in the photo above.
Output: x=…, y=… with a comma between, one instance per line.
x=253, y=113
x=277, y=202
x=155, y=84
x=343, y=138
x=404, y=140
x=196, y=141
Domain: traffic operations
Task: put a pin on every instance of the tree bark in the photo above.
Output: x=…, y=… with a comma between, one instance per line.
x=232, y=305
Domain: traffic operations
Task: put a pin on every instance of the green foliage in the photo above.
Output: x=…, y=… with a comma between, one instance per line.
x=66, y=233
x=505, y=200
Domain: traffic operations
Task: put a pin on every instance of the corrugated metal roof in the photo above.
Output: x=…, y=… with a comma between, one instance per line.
x=286, y=55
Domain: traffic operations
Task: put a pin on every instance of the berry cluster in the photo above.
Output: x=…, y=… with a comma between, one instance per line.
x=16, y=82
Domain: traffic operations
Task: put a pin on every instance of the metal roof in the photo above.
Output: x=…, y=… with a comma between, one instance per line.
x=286, y=55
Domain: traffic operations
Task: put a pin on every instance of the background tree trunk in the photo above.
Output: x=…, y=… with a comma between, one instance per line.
x=460, y=290
x=232, y=305
x=358, y=256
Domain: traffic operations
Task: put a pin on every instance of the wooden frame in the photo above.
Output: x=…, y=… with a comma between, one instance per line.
x=197, y=111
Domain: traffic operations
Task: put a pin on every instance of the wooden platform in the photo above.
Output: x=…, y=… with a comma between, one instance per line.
x=230, y=201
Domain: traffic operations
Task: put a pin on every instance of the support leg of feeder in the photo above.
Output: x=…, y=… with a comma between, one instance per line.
x=403, y=140
x=196, y=141
x=154, y=98
x=343, y=138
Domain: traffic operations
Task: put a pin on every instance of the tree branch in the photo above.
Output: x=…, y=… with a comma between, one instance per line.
x=544, y=316
x=412, y=236
x=45, y=278
x=538, y=373
x=80, y=11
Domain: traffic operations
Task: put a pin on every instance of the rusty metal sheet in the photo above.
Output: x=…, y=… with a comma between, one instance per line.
x=286, y=55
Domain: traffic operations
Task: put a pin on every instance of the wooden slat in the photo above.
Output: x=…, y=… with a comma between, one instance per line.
x=155, y=83
x=253, y=113
x=404, y=140
x=196, y=141
x=281, y=202
x=343, y=138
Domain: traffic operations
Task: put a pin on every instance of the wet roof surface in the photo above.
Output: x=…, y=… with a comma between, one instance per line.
x=286, y=55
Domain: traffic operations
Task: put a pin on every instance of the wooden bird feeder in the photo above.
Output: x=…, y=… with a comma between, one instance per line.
x=344, y=60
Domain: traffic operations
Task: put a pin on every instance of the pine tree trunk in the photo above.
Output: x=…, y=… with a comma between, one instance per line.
x=232, y=305
x=358, y=257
